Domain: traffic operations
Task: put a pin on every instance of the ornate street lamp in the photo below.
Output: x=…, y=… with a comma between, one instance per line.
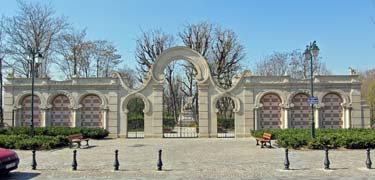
x=36, y=57
x=312, y=51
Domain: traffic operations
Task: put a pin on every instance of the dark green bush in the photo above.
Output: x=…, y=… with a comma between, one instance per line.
x=95, y=133
x=332, y=138
x=38, y=142
x=225, y=123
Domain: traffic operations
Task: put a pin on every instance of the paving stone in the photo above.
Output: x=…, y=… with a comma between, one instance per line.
x=190, y=159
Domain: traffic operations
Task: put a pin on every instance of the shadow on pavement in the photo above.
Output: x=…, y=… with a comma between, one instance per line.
x=20, y=175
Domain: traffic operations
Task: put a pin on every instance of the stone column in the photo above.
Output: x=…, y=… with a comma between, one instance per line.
x=356, y=113
x=203, y=100
x=347, y=116
x=76, y=116
x=157, y=113
x=248, y=112
x=318, y=123
x=213, y=123
x=105, y=117
x=124, y=125
x=285, y=119
x=44, y=117
x=17, y=115
x=239, y=124
x=256, y=115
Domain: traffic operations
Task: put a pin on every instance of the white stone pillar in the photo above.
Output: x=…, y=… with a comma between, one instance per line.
x=239, y=124
x=285, y=118
x=105, y=117
x=203, y=100
x=157, y=112
x=256, y=116
x=76, y=116
x=17, y=116
x=73, y=118
x=317, y=117
x=124, y=125
x=213, y=123
x=347, y=117
x=44, y=119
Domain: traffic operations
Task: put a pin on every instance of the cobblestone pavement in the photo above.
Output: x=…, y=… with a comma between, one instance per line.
x=190, y=159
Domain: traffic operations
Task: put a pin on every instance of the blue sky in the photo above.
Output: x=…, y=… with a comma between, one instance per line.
x=343, y=29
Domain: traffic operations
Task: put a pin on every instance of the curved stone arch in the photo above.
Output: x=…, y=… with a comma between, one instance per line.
x=294, y=93
x=51, y=97
x=259, y=96
x=20, y=98
x=97, y=93
x=129, y=97
x=177, y=53
x=340, y=93
x=237, y=101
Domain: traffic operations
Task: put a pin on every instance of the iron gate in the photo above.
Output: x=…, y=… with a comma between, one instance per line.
x=136, y=128
x=225, y=128
x=172, y=129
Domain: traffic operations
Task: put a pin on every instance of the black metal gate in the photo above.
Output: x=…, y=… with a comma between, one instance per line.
x=225, y=128
x=136, y=128
x=172, y=129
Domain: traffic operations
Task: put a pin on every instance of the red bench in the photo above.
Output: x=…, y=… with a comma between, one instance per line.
x=266, y=138
x=77, y=138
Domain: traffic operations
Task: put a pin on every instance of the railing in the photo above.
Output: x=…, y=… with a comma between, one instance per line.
x=226, y=135
x=136, y=134
x=181, y=135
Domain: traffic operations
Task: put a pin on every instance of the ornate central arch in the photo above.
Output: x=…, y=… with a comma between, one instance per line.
x=183, y=53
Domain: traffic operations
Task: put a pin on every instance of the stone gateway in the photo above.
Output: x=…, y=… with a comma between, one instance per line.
x=260, y=101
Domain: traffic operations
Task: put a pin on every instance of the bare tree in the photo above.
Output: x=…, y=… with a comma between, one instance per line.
x=299, y=67
x=367, y=91
x=34, y=26
x=274, y=65
x=72, y=47
x=148, y=47
x=130, y=76
x=3, y=47
x=199, y=38
x=289, y=63
x=106, y=58
x=227, y=53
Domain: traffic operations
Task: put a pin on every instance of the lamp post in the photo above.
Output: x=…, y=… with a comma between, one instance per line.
x=35, y=57
x=311, y=52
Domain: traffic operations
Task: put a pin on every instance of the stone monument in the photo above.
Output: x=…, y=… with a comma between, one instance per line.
x=187, y=116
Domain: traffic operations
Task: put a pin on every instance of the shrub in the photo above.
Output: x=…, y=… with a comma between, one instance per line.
x=95, y=133
x=332, y=138
x=38, y=142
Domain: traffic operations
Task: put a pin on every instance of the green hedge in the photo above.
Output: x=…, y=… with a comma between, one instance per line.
x=333, y=138
x=225, y=123
x=38, y=142
x=94, y=133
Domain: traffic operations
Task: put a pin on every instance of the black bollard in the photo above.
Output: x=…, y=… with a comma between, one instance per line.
x=368, y=159
x=160, y=163
x=286, y=162
x=74, y=163
x=116, y=164
x=33, y=162
x=326, y=160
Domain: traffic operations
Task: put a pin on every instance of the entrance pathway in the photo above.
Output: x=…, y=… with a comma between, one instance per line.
x=191, y=159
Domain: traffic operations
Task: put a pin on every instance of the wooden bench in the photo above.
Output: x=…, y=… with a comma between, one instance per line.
x=77, y=138
x=266, y=138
